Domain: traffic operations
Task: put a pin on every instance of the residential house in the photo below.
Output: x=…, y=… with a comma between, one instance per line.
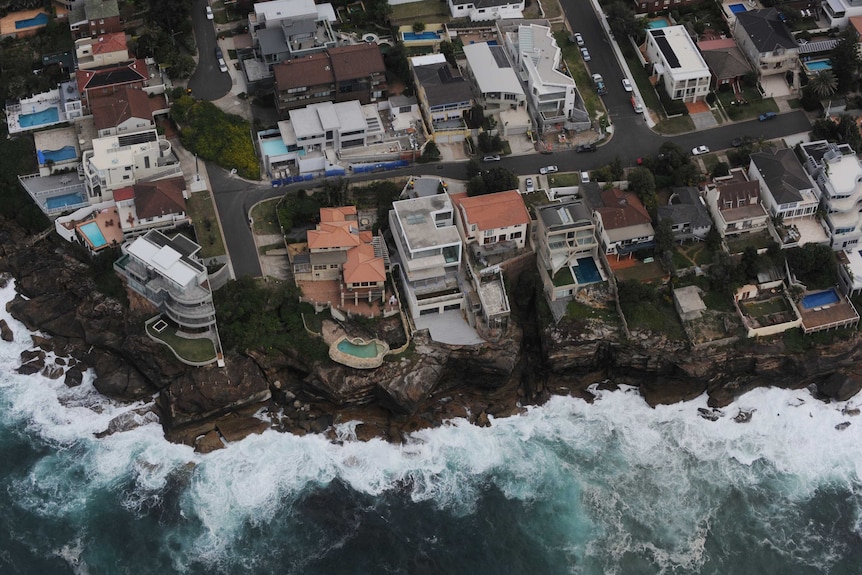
x=126, y=111
x=429, y=250
x=104, y=50
x=677, y=63
x=785, y=189
x=287, y=29
x=94, y=17
x=840, y=13
x=302, y=142
x=497, y=84
x=837, y=173
x=169, y=274
x=483, y=10
x=492, y=219
x=769, y=46
x=444, y=96
x=152, y=205
x=688, y=303
x=565, y=236
x=690, y=219
x=109, y=80
x=725, y=61
x=552, y=96
x=735, y=204
x=119, y=161
x=623, y=225
x=653, y=6
x=338, y=74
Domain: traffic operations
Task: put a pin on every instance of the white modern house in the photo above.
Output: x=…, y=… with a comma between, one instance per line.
x=287, y=29
x=119, y=161
x=677, y=62
x=494, y=78
x=565, y=234
x=839, y=12
x=786, y=190
x=429, y=249
x=838, y=175
x=483, y=10
x=553, y=98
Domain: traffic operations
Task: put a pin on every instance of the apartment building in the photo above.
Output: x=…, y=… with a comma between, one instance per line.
x=837, y=172
x=678, y=64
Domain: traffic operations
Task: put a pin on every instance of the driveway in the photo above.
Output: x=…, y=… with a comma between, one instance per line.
x=207, y=82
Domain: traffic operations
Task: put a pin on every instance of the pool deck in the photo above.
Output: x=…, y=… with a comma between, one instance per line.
x=55, y=140
x=108, y=221
x=7, y=23
x=835, y=315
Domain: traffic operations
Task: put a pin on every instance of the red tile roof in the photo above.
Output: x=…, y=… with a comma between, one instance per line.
x=621, y=210
x=111, y=110
x=493, y=211
x=312, y=70
x=356, y=61
x=363, y=266
x=159, y=198
x=112, y=42
x=127, y=193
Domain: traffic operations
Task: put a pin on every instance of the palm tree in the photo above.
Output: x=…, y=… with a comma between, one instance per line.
x=823, y=83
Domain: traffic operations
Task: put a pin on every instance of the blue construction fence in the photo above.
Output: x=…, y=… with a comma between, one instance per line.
x=335, y=172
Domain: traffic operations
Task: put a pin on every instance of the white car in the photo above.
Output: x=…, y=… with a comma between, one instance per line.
x=528, y=186
x=209, y=13
x=548, y=170
x=492, y=158
x=221, y=65
x=585, y=177
x=586, y=54
x=627, y=86
x=579, y=39
x=699, y=151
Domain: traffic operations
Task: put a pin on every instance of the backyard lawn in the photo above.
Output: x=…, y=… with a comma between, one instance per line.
x=578, y=310
x=205, y=221
x=425, y=12
x=757, y=240
x=658, y=317
x=756, y=104
x=196, y=350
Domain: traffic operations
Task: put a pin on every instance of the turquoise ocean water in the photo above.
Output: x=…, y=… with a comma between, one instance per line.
x=612, y=487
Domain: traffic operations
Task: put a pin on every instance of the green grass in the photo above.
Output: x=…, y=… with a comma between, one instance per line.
x=710, y=161
x=676, y=125
x=202, y=212
x=643, y=272
x=582, y=77
x=757, y=240
x=679, y=260
x=767, y=307
x=756, y=105
x=566, y=180
x=794, y=103
x=659, y=317
x=425, y=12
x=534, y=199
x=578, y=310
x=197, y=350
x=564, y=277
x=265, y=218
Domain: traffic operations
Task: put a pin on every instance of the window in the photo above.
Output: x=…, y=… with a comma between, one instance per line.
x=515, y=235
x=333, y=266
x=323, y=267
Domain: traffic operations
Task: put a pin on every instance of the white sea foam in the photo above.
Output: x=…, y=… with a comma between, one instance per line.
x=621, y=477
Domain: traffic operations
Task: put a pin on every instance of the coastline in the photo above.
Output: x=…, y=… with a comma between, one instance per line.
x=206, y=407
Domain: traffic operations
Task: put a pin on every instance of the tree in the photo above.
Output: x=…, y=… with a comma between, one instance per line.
x=721, y=272
x=813, y=265
x=634, y=292
x=621, y=20
x=721, y=169
x=448, y=51
x=430, y=153
x=823, y=83
x=418, y=27
x=665, y=241
x=749, y=262
x=844, y=131
x=472, y=167
x=846, y=60
x=492, y=181
x=642, y=183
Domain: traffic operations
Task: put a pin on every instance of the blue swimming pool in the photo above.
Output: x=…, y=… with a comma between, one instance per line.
x=414, y=36
x=48, y=116
x=37, y=20
x=737, y=8
x=818, y=65
x=64, y=153
x=92, y=232
x=586, y=271
x=820, y=299
x=365, y=350
x=661, y=22
x=65, y=200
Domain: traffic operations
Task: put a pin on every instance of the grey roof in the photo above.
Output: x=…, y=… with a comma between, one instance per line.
x=821, y=46
x=97, y=9
x=591, y=192
x=726, y=62
x=401, y=101
x=686, y=209
x=766, y=30
x=271, y=41
x=443, y=84
x=783, y=174
x=292, y=27
x=491, y=3
x=567, y=214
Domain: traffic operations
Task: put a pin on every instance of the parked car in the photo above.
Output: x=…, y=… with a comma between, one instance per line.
x=579, y=40
x=741, y=141
x=767, y=116
x=209, y=13
x=601, y=90
x=597, y=78
x=548, y=170
x=586, y=148
x=636, y=106
x=700, y=150
x=221, y=65
x=218, y=52
x=492, y=158
x=627, y=86
x=585, y=177
x=586, y=54
x=528, y=186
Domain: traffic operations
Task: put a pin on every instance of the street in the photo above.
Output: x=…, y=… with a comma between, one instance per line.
x=207, y=83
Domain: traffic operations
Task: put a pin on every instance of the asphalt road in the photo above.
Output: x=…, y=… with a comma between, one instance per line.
x=631, y=140
x=207, y=82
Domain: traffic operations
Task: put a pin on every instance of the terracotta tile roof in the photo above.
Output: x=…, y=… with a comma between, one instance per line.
x=493, y=211
x=621, y=210
x=162, y=197
x=111, y=110
x=738, y=194
x=356, y=61
x=111, y=42
x=363, y=266
x=333, y=235
x=312, y=70
x=127, y=193
x=338, y=214
x=856, y=22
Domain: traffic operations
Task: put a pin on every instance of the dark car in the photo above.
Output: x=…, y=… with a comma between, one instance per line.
x=586, y=148
x=218, y=52
x=741, y=141
x=767, y=116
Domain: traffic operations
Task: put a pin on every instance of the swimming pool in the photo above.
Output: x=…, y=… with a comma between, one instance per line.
x=586, y=271
x=660, y=22
x=37, y=20
x=820, y=299
x=414, y=36
x=65, y=200
x=47, y=116
x=92, y=232
x=737, y=8
x=367, y=350
x=818, y=65
x=64, y=153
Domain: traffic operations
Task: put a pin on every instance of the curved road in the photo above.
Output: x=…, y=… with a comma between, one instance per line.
x=632, y=139
x=207, y=82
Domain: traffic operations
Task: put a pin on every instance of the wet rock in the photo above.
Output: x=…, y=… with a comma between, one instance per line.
x=709, y=414
x=850, y=411
x=482, y=420
x=842, y=426
x=6, y=331
x=743, y=416
x=237, y=428
x=31, y=354
x=841, y=385
x=29, y=369
x=74, y=377
x=52, y=371
x=209, y=442
x=45, y=343
x=130, y=420
x=60, y=361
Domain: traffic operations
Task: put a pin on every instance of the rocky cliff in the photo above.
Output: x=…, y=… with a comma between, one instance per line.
x=424, y=386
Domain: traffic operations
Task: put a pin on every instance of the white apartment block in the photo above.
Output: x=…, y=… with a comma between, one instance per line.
x=838, y=174
x=495, y=80
x=483, y=10
x=678, y=63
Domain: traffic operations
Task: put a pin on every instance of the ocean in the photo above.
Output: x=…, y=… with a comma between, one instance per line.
x=612, y=487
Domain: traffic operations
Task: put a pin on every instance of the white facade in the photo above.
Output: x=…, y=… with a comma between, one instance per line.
x=785, y=189
x=496, y=81
x=677, y=61
x=482, y=10
x=839, y=12
x=838, y=175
